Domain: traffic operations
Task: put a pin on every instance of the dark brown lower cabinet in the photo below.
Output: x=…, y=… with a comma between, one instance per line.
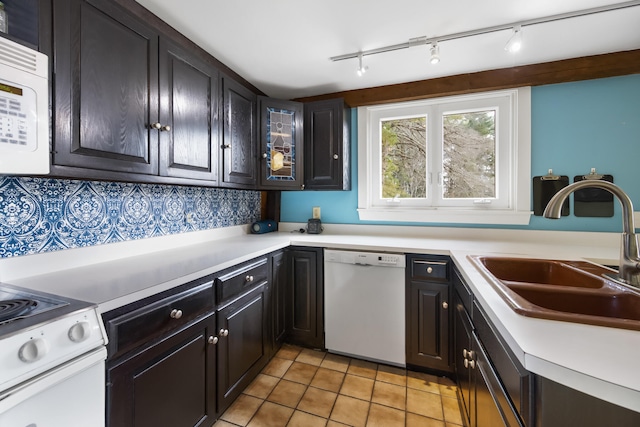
x=494, y=389
x=278, y=300
x=305, y=309
x=428, y=325
x=169, y=383
x=243, y=343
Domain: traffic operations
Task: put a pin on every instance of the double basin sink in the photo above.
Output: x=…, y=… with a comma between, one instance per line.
x=572, y=291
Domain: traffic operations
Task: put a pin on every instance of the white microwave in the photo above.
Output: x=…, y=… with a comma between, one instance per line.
x=24, y=110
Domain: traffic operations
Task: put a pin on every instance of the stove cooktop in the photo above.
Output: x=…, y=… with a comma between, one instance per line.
x=22, y=308
x=16, y=303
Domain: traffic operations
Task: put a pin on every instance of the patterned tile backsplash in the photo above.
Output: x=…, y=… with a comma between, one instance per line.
x=43, y=215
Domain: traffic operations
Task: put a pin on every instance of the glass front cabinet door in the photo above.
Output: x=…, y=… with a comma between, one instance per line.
x=281, y=144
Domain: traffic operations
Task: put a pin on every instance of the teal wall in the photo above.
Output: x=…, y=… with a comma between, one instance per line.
x=575, y=127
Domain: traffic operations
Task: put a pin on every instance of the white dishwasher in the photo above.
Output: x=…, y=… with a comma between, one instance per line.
x=364, y=305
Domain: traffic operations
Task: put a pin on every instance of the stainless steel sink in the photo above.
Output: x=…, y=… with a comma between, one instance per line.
x=573, y=291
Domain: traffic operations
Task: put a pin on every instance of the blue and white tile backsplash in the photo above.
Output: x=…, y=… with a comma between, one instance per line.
x=43, y=215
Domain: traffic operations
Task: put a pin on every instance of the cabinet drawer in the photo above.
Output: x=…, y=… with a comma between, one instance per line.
x=152, y=320
x=430, y=268
x=236, y=280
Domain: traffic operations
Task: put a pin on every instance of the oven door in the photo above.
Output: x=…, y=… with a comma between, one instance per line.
x=71, y=395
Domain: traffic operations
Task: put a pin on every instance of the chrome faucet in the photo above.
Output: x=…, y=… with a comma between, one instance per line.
x=629, y=271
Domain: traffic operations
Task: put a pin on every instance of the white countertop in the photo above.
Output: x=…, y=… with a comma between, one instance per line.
x=596, y=360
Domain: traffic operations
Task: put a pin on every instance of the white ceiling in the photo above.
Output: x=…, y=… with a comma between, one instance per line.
x=283, y=46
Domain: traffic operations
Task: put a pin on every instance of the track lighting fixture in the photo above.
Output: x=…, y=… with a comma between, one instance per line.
x=435, y=53
x=515, y=42
x=513, y=45
x=361, y=69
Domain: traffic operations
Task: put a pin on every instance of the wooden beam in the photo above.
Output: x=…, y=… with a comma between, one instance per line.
x=568, y=70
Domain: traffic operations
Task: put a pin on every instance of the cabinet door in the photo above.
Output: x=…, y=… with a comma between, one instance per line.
x=488, y=394
x=106, y=88
x=242, y=349
x=278, y=299
x=281, y=150
x=239, y=144
x=326, y=145
x=462, y=333
x=170, y=383
x=305, y=309
x=428, y=325
x=188, y=115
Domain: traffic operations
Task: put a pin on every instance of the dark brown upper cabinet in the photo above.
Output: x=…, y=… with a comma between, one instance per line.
x=132, y=103
x=326, y=145
x=281, y=148
x=239, y=140
x=189, y=134
x=105, y=89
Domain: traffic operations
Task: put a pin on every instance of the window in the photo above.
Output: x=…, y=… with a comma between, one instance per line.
x=462, y=159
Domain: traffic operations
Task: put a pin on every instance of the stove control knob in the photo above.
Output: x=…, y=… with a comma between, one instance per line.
x=33, y=350
x=80, y=331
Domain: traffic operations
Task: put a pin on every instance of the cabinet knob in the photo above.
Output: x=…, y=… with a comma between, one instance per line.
x=226, y=146
x=335, y=157
x=213, y=340
x=224, y=332
x=302, y=187
x=264, y=155
x=429, y=270
x=165, y=128
x=156, y=125
x=176, y=314
x=466, y=363
x=248, y=279
x=465, y=353
x=472, y=364
x=471, y=355
x=445, y=305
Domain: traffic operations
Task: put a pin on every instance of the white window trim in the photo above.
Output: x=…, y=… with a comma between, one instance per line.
x=519, y=212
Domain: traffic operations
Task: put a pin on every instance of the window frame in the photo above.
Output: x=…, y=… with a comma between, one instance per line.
x=514, y=129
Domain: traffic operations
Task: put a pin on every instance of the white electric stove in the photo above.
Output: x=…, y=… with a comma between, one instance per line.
x=52, y=353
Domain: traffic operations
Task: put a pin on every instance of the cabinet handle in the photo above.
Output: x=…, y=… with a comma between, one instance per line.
x=224, y=332
x=213, y=340
x=264, y=155
x=165, y=128
x=445, y=305
x=176, y=314
x=335, y=157
x=248, y=279
x=156, y=125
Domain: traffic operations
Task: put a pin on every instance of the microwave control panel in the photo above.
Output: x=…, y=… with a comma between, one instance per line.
x=17, y=117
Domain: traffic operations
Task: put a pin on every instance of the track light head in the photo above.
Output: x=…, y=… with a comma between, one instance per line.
x=361, y=69
x=515, y=42
x=435, y=53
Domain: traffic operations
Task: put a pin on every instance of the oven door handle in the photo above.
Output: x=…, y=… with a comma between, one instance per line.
x=21, y=392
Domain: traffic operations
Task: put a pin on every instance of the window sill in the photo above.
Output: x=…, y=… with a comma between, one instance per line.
x=449, y=216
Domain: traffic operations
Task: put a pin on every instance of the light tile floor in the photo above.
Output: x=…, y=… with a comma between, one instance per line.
x=307, y=388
